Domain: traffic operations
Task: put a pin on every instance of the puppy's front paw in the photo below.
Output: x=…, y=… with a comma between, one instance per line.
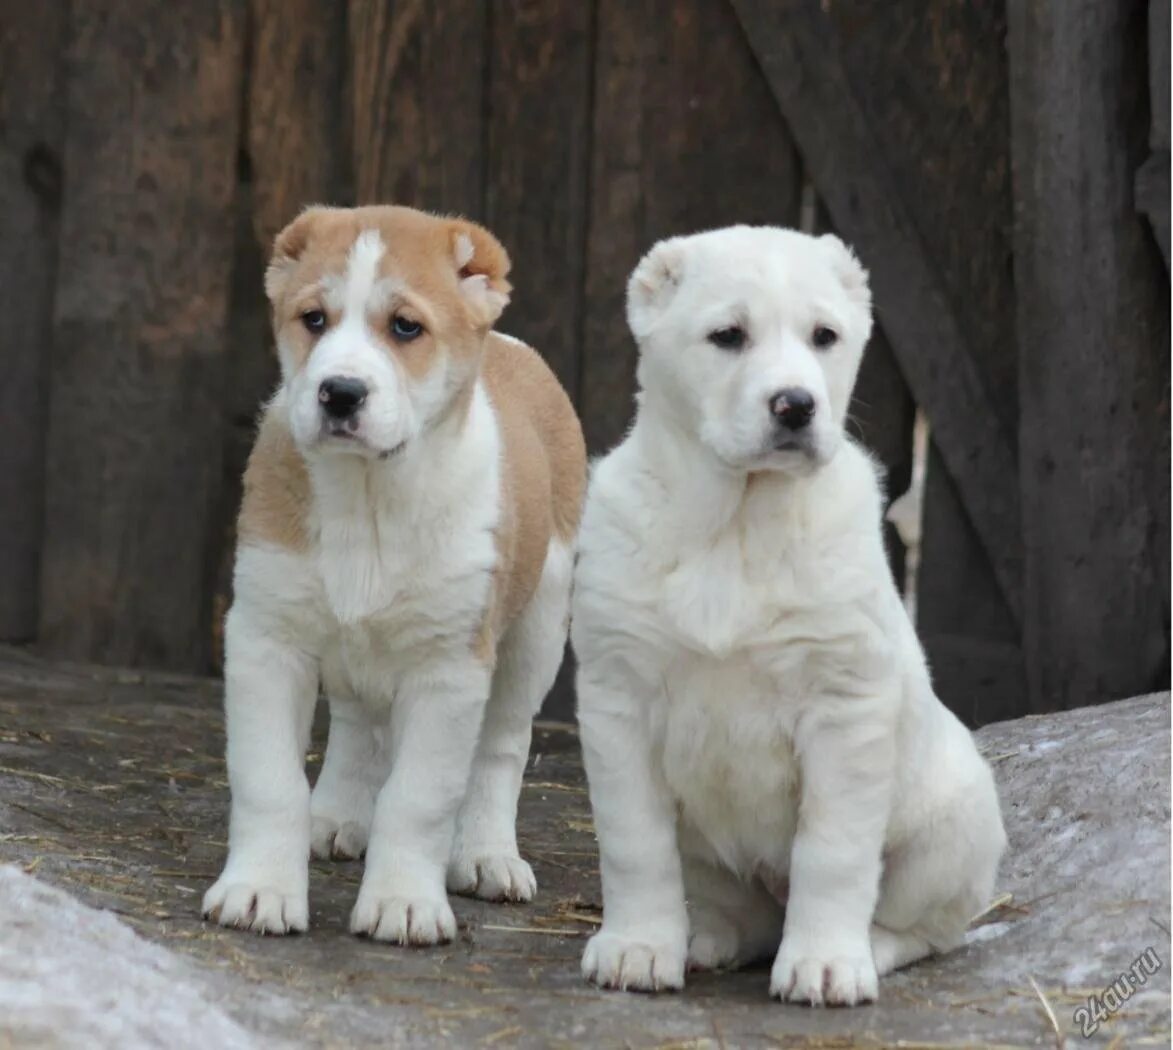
x=403, y=920
x=802, y=974
x=334, y=840
x=258, y=902
x=646, y=961
x=492, y=877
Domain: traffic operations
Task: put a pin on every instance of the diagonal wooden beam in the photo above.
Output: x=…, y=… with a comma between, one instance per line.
x=797, y=48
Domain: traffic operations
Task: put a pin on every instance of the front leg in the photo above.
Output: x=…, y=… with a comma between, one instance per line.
x=845, y=748
x=270, y=689
x=644, y=937
x=435, y=721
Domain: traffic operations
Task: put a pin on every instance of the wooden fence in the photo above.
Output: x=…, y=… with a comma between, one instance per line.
x=1002, y=167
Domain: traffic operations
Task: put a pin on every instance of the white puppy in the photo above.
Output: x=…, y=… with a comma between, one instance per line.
x=406, y=540
x=767, y=760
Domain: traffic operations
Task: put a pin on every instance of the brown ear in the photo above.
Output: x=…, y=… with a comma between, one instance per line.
x=482, y=266
x=288, y=247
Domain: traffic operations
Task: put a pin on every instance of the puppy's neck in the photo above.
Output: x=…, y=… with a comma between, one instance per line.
x=374, y=518
x=705, y=493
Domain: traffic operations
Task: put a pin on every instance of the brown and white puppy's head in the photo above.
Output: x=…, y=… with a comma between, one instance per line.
x=750, y=341
x=380, y=316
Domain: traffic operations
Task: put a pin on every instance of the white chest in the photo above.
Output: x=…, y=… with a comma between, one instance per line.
x=741, y=657
x=397, y=600
x=723, y=731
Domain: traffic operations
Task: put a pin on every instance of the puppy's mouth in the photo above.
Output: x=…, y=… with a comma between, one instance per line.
x=343, y=434
x=791, y=453
x=790, y=443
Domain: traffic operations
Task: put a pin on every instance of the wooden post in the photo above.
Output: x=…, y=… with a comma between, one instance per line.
x=31, y=39
x=1093, y=313
x=133, y=461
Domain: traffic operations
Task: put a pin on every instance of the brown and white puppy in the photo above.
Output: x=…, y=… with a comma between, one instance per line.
x=406, y=536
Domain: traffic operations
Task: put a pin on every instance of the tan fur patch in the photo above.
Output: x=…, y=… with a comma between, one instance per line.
x=543, y=478
x=276, y=504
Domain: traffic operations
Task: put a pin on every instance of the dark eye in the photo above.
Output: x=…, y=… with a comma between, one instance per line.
x=314, y=321
x=405, y=330
x=824, y=337
x=731, y=338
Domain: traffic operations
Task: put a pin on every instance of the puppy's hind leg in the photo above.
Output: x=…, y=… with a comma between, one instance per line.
x=937, y=880
x=485, y=859
x=731, y=922
x=343, y=800
x=892, y=950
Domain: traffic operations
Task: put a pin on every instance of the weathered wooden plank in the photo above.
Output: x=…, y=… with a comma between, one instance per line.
x=295, y=154
x=31, y=41
x=675, y=148
x=1152, y=181
x=538, y=136
x=134, y=446
x=417, y=95
x=801, y=51
x=1094, y=366
x=294, y=119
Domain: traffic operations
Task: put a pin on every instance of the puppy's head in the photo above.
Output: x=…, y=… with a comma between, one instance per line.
x=750, y=339
x=380, y=316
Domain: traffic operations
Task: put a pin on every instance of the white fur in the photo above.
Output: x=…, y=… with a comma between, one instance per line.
x=754, y=704
x=382, y=611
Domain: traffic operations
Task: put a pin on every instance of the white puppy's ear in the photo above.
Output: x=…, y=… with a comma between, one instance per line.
x=652, y=285
x=482, y=265
x=848, y=269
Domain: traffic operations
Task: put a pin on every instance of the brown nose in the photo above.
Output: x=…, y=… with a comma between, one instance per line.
x=792, y=408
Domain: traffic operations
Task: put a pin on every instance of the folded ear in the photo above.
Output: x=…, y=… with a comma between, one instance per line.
x=849, y=270
x=652, y=285
x=482, y=265
x=288, y=247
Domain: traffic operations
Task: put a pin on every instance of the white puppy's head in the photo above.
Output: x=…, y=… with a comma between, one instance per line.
x=380, y=316
x=750, y=339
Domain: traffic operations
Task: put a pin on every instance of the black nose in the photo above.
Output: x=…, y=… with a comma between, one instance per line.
x=792, y=407
x=341, y=396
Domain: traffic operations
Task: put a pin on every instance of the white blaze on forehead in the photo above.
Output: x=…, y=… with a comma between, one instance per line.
x=352, y=293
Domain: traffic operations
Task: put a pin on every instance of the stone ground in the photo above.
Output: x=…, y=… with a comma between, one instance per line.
x=112, y=789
